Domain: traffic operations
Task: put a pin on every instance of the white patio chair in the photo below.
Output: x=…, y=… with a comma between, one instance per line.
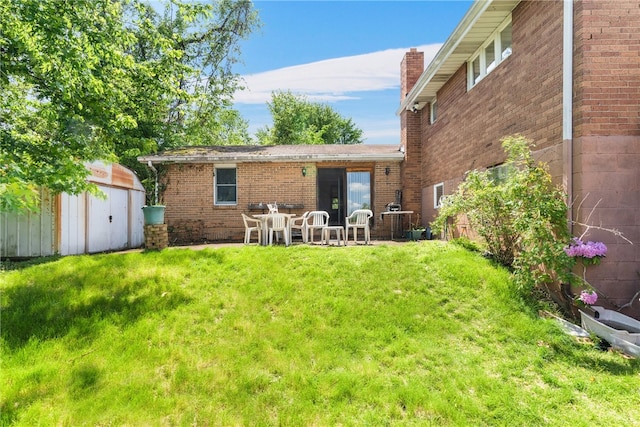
x=250, y=225
x=300, y=223
x=317, y=220
x=359, y=219
x=273, y=207
x=278, y=224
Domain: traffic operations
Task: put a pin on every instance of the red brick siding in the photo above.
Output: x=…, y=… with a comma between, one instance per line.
x=522, y=95
x=412, y=168
x=411, y=69
x=607, y=57
x=410, y=134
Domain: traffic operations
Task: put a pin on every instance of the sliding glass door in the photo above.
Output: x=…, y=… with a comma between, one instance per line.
x=358, y=191
x=341, y=192
x=331, y=194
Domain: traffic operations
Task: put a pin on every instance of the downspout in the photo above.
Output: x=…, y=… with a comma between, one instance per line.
x=567, y=105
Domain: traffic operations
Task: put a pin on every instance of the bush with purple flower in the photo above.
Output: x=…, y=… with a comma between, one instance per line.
x=589, y=252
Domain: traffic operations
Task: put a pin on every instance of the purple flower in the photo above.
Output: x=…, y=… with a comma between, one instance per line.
x=588, y=298
x=589, y=250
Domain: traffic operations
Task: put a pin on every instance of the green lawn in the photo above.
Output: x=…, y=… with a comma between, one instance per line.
x=419, y=334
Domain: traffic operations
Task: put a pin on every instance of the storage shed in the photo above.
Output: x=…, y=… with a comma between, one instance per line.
x=68, y=224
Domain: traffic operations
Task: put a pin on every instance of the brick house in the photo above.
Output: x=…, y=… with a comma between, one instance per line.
x=205, y=189
x=565, y=74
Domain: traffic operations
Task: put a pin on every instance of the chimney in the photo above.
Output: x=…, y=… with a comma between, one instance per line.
x=411, y=69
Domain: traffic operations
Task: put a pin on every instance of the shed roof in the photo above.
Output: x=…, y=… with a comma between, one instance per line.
x=277, y=153
x=113, y=174
x=482, y=19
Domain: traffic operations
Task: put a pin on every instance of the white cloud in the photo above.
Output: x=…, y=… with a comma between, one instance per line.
x=380, y=128
x=331, y=80
x=359, y=187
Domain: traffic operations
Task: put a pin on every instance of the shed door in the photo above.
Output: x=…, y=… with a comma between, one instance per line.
x=108, y=226
x=119, y=219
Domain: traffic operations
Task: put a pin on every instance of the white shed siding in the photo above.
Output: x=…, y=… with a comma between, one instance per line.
x=136, y=218
x=29, y=234
x=72, y=224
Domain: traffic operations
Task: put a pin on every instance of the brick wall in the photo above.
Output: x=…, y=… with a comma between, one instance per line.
x=522, y=95
x=607, y=140
x=411, y=69
x=607, y=80
x=607, y=193
x=192, y=217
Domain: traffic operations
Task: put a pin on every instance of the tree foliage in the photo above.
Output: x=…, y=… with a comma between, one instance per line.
x=521, y=218
x=111, y=80
x=299, y=121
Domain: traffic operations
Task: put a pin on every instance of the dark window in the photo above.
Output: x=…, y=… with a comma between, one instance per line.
x=226, y=186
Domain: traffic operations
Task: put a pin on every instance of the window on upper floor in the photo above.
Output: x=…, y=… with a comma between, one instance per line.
x=433, y=111
x=492, y=52
x=225, y=185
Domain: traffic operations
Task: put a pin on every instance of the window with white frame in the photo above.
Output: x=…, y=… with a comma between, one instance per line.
x=225, y=185
x=434, y=110
x=495, y=50
x=500, y=173
x=438, y=194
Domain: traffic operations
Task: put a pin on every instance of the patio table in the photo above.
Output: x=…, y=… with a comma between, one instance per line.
x=264, y=218
x=395, y=219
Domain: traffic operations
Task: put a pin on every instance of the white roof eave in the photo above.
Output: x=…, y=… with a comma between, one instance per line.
x=399, y=156
x=447, y=61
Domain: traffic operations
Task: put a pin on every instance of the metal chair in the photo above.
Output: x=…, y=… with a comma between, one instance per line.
x=317, y=220
x=359, y=219
x=251, y=224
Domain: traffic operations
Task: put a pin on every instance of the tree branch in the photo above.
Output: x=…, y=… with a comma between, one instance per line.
x=588, y=227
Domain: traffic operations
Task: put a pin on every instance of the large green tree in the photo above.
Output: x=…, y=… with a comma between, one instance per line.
x=297, y=120
x=110, y=79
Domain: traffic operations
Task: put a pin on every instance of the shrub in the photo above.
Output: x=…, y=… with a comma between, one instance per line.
x=467, y=243
x=522, y=217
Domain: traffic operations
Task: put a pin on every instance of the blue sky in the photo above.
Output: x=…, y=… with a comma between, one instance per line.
x=343, y=53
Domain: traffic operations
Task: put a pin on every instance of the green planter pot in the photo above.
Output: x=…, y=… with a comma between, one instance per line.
x=153, y=215
x=414, y=234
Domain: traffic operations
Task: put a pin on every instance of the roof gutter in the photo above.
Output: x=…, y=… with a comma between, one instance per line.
x=465, y=25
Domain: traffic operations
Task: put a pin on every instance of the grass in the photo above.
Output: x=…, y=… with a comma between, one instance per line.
x=419, y=334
